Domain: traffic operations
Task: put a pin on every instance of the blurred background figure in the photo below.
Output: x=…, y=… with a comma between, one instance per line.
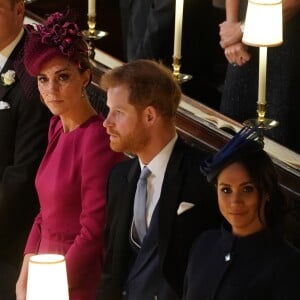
x=24, y=122
x=148, y=32
x=283, y=72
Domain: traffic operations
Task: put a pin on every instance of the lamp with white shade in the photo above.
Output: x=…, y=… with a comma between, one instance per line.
x=263, y=28
x=47, y=278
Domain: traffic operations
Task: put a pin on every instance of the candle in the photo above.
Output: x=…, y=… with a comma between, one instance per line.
x=262, y=75
x=178, y=28
x=92, y=8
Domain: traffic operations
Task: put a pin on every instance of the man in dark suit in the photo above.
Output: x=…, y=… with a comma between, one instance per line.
x=148, y=29
x=143, y=97
x=23, y=137
x=148, y=32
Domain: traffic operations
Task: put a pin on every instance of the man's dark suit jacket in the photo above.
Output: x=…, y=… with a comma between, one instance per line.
x=148, y=29
x=183, y=182
x=23, y=138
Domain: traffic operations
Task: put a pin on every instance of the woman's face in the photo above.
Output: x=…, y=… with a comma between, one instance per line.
x=60, y=84
x=238, y=200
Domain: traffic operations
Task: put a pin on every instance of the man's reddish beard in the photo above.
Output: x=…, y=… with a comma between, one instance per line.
x=132, y=143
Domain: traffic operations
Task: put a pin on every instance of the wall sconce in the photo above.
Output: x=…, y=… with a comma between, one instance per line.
x=47, y=278
x=263, y=28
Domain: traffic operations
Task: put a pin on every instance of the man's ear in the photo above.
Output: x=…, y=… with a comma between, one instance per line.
x=20, y=6
x=150, y=114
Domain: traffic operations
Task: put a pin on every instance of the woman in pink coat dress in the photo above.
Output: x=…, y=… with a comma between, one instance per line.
x=72, y=176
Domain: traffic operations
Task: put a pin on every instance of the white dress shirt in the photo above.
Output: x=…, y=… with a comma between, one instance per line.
x=157, y=166
x=6, y=52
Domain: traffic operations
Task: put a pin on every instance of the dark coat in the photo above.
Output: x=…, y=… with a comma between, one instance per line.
x=148, y=28
x=224, y=267
x=183, y=182
x=23, y=139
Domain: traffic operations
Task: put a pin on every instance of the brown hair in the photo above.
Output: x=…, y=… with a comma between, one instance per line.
x=150, y=84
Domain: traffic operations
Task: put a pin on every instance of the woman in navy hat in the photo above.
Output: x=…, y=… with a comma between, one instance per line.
x=71, y=179
x=249, y=257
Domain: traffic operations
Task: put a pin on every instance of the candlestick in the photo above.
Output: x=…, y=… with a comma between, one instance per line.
x=92, y=34
x=92, y=8
x=181, y=78
x=178, y=28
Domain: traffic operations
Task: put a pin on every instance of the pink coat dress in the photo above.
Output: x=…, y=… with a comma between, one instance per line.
x=71, y=184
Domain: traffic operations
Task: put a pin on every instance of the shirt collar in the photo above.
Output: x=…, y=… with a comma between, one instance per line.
x=6, y=52
x=159, y=163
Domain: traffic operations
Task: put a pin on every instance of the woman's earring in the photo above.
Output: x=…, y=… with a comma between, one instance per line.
x=83, y=92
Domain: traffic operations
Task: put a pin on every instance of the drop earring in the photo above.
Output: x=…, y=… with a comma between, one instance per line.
x=83, y=92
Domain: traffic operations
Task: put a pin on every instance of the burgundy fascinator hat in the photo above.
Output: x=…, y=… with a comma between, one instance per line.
x=58, y=36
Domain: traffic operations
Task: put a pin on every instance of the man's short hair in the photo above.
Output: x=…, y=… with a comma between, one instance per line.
x=150, y=84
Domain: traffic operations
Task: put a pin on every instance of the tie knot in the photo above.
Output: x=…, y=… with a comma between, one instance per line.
x=145, y=173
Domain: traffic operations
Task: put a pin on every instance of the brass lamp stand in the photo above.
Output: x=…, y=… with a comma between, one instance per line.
x=263, y=28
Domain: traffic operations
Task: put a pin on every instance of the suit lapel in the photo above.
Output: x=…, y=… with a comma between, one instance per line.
x=168, y=202
x=126, y=210
x=12, y=63
x=5, y=89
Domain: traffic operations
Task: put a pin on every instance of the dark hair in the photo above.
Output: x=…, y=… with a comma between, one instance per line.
x=262, y=171
x=149, y=83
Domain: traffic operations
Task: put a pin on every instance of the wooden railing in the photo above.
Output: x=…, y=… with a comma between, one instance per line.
x=204, y=127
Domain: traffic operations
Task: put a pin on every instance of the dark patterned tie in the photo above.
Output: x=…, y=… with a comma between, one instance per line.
x=140, y=200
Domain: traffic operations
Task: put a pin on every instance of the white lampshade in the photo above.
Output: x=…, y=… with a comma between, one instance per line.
x=47, y=278
x=263, y=23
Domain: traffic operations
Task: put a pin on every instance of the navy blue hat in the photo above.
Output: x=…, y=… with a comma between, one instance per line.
x=244, y=143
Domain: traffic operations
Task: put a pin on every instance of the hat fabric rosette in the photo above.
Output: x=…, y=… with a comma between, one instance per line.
x=58, y=36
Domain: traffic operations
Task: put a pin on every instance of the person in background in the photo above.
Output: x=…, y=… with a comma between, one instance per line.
x=24, y=121
x=249, y=257
x=176, y=203
x=148, y=33
x=283, y=72
x=72, y=176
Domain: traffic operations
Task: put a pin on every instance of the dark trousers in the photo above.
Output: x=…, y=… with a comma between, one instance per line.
x=8, y=278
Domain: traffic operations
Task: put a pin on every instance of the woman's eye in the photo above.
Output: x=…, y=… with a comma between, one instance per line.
x=42, y=79
x=64, y=77
x=248, y=189
x=225, y=190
